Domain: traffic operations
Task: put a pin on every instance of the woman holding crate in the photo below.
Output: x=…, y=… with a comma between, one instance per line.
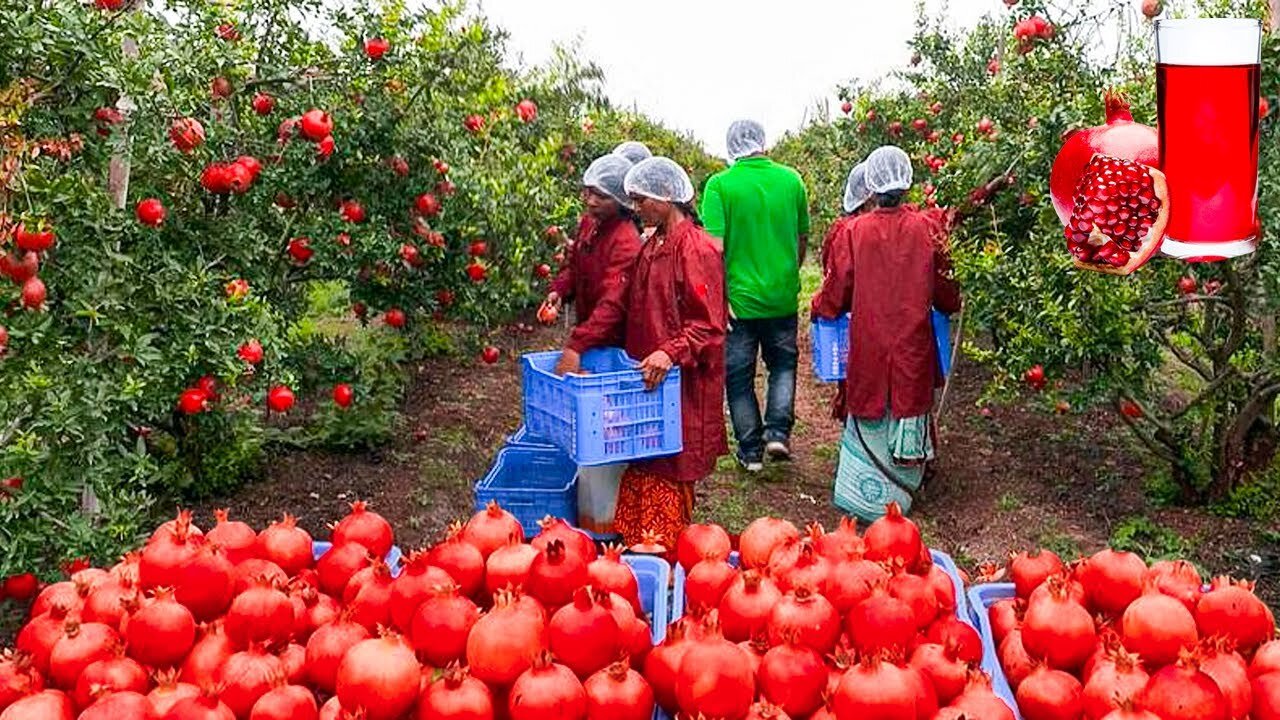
x=890, y=269
x=606, y=244
x=671, y=311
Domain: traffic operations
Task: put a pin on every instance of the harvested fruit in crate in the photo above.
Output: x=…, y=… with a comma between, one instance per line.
x=1111, y=637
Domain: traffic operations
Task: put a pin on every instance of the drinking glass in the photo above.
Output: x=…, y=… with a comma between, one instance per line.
x=1207, y=76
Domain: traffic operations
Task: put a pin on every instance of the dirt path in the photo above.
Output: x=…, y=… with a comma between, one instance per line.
x=1010, y=478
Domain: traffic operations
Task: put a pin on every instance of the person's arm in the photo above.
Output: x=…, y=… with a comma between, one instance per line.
x=946, y=291
x=562, y=285
x=835, y=297
x=803, y=222
x=712, y=211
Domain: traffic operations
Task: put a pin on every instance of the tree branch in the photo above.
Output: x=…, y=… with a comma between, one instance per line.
x=1184, y=358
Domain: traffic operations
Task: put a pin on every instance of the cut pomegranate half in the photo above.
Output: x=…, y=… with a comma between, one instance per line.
x=1121, y=210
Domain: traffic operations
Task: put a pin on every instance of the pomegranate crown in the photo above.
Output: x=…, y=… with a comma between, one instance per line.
x=221, y=515
x=1117, y=106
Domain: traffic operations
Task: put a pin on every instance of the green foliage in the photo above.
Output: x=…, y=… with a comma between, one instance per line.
x=137, y=314
x=1100, y=338
x=1149, y=539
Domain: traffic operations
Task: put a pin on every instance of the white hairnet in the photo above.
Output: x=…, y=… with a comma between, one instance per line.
x=633, y=151
x=661, y=179
x=746, y=137
x=888, y=169
x=855, y=188
x=607, y=174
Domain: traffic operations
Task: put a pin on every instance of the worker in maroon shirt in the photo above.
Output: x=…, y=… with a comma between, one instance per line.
x=890, y=270
x=671, y=311
x=606, y=245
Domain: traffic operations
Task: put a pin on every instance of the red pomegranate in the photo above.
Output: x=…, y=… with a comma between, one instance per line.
x=1120, y=137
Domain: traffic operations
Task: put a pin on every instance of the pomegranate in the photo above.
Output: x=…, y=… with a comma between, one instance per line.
x=943, y=668
x=759, y=540
x=715, y=679
x=1182, y=692
x=609, y=574
x=950, y=631
x=262, y=613
x=1120, y=212
x=1058, y=629
x=162, y=632
x=1120, y=137
x=841, y=544
x=316, y=125
x=880, y=623
x=380, y=676
x=807, y=617
x=207, y=656
x=1266, y=696
x=1048, y=694
x=1111, y=580
x=1015, y=660
x=462, y=560
x=79, y=646
x=456, y=696
x=747, y=605
x=547, y=690
x=286, y=544
x=285, y=702
x=877, y=689
x=663, y=664
x=1157, y=627
x=339, y=564
x=441, y=624
x=18, y=677
x=368, y=596
x=1233, y=611
x=491, y=528
x=555, y=574
x=169, y=692
x=505, y=641
x=1117, y=679
x=1177, y=579
x=575, y=541
x=42, y=705
x=247, y=676
x=1029, y=570
x=792, y=677
x=619, y=693
x=707, y=583
x=1266, y=659
x=699, y=542
x=1231, y=674
x=583, y=635
x=115, y=674
x=893, y=537
x=365, y=527
x=849, y=583
x=326, y=647
x=979, y=701
x=509, y=565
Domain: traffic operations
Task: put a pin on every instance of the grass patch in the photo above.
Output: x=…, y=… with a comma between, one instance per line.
x=1256, y=499
x=1053, y=538
x=456, y=439
x=827, y=452
x=1008, y=502
x=1149, y=539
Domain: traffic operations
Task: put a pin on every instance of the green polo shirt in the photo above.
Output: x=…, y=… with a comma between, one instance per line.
x=760, y=209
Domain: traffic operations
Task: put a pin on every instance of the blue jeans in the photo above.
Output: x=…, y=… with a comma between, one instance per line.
x=775, y=340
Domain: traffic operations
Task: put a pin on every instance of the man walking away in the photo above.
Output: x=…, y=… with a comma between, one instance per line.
x=760, y=209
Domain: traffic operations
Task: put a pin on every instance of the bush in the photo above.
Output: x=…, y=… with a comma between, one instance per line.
x=307, y=260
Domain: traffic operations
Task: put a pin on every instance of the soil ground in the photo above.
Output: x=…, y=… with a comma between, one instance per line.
x=1006, y=478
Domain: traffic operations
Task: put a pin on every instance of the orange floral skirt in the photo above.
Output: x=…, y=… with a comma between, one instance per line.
x=652, y=503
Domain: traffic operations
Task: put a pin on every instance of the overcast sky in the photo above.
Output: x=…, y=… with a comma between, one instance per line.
x=717, y=60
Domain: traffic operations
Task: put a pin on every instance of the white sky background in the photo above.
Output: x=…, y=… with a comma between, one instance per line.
x=719, y=60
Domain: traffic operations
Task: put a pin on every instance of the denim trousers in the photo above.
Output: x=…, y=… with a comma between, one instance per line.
x=774, y=339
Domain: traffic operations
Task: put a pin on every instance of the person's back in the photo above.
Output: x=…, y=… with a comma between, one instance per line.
x=760, y=208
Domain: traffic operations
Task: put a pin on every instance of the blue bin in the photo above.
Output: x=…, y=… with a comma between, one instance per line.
x=940, y=559
x=603, y=417
x=830, y=346
x=531, y=482
x=982, y=597
x=320, y=547
x=653, y=575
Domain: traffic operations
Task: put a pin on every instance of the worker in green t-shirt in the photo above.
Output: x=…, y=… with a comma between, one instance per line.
x=760, y=209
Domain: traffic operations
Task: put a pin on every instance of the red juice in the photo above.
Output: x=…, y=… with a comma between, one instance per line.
x=1209, y=151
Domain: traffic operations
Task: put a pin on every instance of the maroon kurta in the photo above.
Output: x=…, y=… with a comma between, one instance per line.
x=891, y=270
x=838, y=229
x=600, y=255
x=674, y=301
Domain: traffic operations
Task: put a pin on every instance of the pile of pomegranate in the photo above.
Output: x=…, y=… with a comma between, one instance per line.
x=1111, y=638
x=235, y=624
x=821, y=626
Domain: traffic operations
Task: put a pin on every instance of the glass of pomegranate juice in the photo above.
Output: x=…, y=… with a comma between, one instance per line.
x=1207, y=76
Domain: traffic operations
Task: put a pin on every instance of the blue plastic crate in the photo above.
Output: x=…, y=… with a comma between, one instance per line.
x=531, y=482
x=653, y=575
x=320, y=547
x=605, y=416
x=522, y=436
x=830, y=346
x=982, y=597
x=940, y=559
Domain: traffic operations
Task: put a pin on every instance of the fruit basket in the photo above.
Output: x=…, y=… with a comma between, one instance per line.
x=982, y=597
x=604, y=416
x=531, y=482
x=653, y=574
x=830, y=341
